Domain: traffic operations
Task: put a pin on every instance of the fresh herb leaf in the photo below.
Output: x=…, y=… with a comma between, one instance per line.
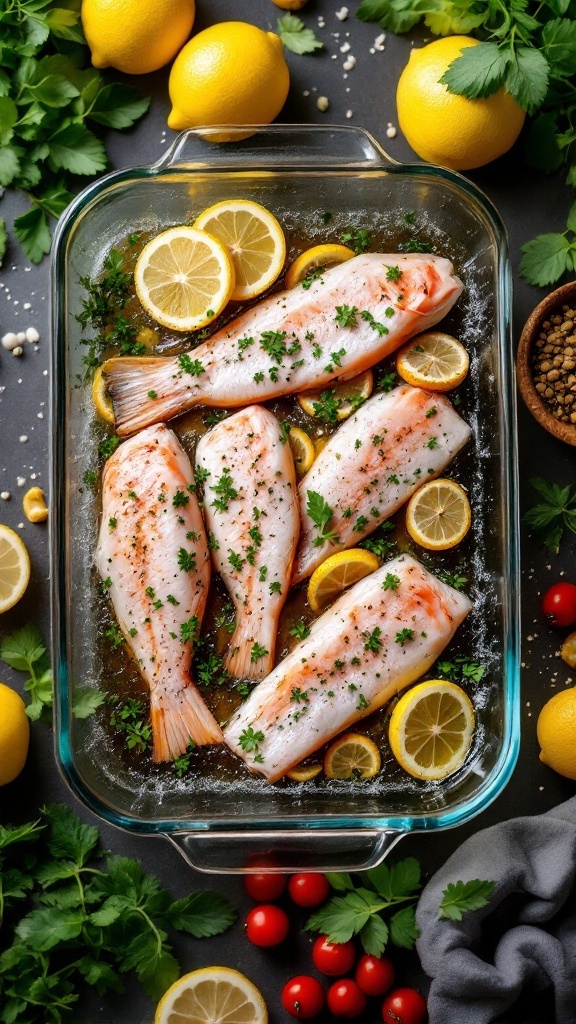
x=548, y=519
x=321, y=515
x=460, y=898
x=546, y=258
x=295, y=36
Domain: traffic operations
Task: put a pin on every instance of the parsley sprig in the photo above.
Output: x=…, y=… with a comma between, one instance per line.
x=78, y=920
x=359, y=911
x=461, y=897
x=549, y=518
x=321, y=515
x=295, y=36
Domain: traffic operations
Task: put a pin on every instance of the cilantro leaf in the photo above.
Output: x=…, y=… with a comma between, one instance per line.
x=44, y=929
x=340, y=881
x=527, y=77
x=459, y=898
x=545, y=258
x=86, y=702
x=32, y=231
x=559, y=46
x=295, y=36
x=202, y=914
x=68, y=836
x=374, y=936
x=395, y=15
x=478, y=72
x=549, y=518
x=22, y=648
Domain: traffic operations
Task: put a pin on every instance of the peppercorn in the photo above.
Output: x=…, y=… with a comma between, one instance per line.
x=553, y=362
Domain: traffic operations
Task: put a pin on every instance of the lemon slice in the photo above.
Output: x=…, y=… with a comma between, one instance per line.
x=347, y=395
x=352, y=756
x=184, y=278
x=253, y=239
x=320, y=444
x=14, y=568
x=212, y=995
x=302, y=449
x=100, y=396
x=438, y=515
x=304, y=773
x=431, y=729
x=319, y=256
x=434, y=361
x=338, y=572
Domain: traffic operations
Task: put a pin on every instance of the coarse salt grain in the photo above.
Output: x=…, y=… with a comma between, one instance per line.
x=5, y=495
x=391, y=131
x=10, y=341
x=18, y=351
x=23, y=438
x=349, y=64
x=21, y=336
x=27, y=305
x=20, y=480
x=32, y=335
x=342, y=14
x=345, y=48
x=379, y=42
x=323, y=103
x=349, y=114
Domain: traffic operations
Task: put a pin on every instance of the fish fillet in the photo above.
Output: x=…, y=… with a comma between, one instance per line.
x=365, y=649
x=251, y=508
x=373, y=463
x=291, y=341
x=153, y=556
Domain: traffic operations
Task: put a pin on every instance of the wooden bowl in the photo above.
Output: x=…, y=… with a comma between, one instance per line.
x=552, y=304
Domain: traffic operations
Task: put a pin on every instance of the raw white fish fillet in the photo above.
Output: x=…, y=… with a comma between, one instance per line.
x=251, y=508
x=373, y=463
x=291, y=341
x=365, y=649
x=153, y=555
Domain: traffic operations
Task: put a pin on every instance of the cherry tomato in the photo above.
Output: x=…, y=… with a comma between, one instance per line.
x=346, y=999
x=375, y=975
x=404, y=1006
x=265, y=887
x=303, y=997
x=308, y=889
x=559, y=604
x=267, y=925
x=333, y=958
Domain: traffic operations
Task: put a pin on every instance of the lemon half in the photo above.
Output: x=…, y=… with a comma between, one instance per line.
x=212, y=995
x=14, y=568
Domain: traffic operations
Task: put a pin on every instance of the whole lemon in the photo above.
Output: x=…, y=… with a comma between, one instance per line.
x=14, y=734
x=451, y=130
x=556, y=730
x=231, y=73
x=136, y=37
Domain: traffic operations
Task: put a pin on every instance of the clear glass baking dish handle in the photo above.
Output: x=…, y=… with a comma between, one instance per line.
x=274, y=146
x=289, y=850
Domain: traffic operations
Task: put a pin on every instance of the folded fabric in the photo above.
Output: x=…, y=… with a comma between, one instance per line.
x=524, y=940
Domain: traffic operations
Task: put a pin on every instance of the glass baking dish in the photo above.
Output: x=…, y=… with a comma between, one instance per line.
x=297, y=172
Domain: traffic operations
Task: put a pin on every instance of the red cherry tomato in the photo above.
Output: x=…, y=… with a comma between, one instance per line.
x=559, y=604
x=404, y=1006
x=308, y=889
x=265, y=887
x=267, y=925
x=346, y=999
x=333, y=958
x=375, y=975
x=303, y=997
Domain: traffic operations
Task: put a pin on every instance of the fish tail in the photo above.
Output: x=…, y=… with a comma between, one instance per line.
x=148, y=390
x=252, y=635
x=178, y=717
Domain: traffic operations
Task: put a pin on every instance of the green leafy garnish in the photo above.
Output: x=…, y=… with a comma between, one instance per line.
x=461, y=667
x=130, y=719
x=461, y=897
x=321, y=515
x=295, y=36
x=548, y=519
x=357, y=239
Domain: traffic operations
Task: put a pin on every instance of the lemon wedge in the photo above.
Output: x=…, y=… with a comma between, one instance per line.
x=438, y=515
x=100, y=396
x=346, y=395
x=184, y=278
x=316, y=259
x=431, y=729
x=338, y=572
x=302, y=449
x=14, y=568
x=352, y=756
x=253, y=239
x=212, y=995
x=434, y=361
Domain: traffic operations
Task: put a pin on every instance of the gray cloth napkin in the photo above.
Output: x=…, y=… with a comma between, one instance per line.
x=524, y=940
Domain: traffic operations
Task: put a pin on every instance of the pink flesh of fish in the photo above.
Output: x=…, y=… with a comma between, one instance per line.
x=373, y=463
x=240, y=364
x=361, y=626
x=260, y=525
x=148, y=517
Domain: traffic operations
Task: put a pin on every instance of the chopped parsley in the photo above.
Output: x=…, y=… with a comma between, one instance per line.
x=298, y=695
x=346, y=316
x=300, y=630
x=225, y=490
x=321, y=515
x=361, y=524
x=257, y=652
x=192, y=366
x=274, y=345
x=403, y=635
x=180, y=499
x=431, y=412
x=112, y=523
x=432, y=442
x=275, y=588
x=189, y=629
x=372, y=641
x=358, y=239
x=186, y=559
x=235, y=560
x=393, y=274
x=391, y=582
x=387, y=381
x=381, y=329
x=108, y=446
x=250, y=740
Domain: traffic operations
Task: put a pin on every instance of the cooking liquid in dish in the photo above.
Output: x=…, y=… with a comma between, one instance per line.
x=225, y=695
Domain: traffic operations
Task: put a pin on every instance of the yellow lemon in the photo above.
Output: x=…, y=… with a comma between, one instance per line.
x=253, y=239
x=310, y=264
x=231, y=73
x=100, y=396
x=302, y=449
x=304, y=773
x=352, y=756
x=447, y=129
x=14, y=734
x=433, y=360
x=431, y=729
x=556, y=730
x=14, y=568
x=338, y=572
x=212, y=995
x=136, y=37
x=438, y=515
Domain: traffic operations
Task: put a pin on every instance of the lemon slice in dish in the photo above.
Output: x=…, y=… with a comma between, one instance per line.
x=434, y=361
x=431, y=729
x=343, y=398
x=253, y=239
x=302, y=450
x=352, y=756
x=14, y=568
x=338, y=572
x=184, y=278
x=100, y=396
x=304, y=773
x=212, y=995
x=314, y=260
x=438, y=515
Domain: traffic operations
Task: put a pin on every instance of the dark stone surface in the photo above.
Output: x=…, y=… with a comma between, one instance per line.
x=529, y=204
